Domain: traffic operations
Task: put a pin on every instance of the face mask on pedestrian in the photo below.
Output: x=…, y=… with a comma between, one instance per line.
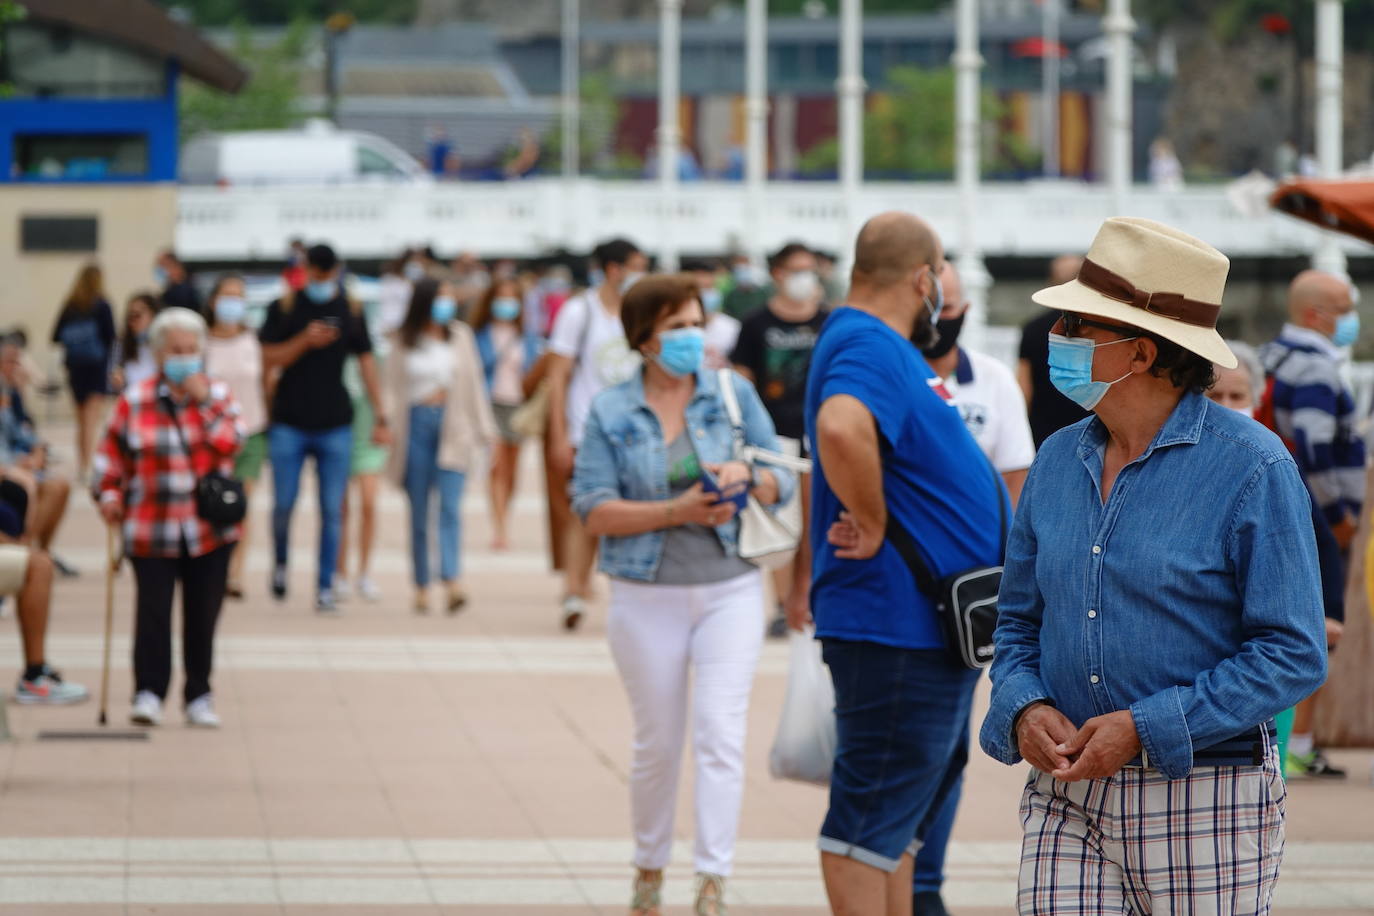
x=947, y=335
x=680, y=351
x=1244, y=411
x=505, y=308
x=178, y=369
x=160, y=277
x=443, y=309
x=595, y=277
x=744, y=274
x=320, y=291
x=1347, y=329
x=1071, y=369
x=414, y=271
x=230, y=310
x=711, y=300
x=801, y=285
x=925, y=334
x=630, y=280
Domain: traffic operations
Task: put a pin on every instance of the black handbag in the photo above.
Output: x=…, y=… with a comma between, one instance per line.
x=220, y=499
x=965, y=602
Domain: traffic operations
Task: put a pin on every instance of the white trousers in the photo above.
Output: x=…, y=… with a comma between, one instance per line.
x=668, y=639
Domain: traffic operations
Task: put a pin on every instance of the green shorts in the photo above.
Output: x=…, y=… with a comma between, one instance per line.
x=368, y=457
x=248, y=465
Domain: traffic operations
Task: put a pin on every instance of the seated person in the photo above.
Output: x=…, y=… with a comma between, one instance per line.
x=24, y=459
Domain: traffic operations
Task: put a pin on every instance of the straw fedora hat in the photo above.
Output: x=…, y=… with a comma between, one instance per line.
x=1153, y=277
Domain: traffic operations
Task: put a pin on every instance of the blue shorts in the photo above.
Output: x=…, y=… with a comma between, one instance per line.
x=900, y=715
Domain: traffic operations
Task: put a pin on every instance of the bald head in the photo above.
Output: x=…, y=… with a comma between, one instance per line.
x=891, y=247
x=1064, y=268
x=953, y=288
x=1316, y=290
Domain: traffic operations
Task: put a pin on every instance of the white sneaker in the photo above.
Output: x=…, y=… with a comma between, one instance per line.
x=147, y=709
x=368, y=589
x=342, y=590
x=200, y=712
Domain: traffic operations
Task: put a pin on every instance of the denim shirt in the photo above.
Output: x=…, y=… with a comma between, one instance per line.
x=623, y=456
x=1191, y=598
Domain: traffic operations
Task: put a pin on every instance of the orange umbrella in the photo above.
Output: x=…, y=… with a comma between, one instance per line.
x=1341, y=205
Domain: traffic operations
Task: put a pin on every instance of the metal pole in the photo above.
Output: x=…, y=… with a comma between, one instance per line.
x=967, y=116
x=1119, y=25
x=756, y=124
x=572, y=96
x=669, y=133
x=850, y=89
x=1330, y=28
x=1049, y=87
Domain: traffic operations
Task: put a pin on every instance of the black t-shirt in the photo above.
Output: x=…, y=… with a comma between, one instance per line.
x=778, y=353
x=1049, y=410
x=181, y=295
x=311, y=392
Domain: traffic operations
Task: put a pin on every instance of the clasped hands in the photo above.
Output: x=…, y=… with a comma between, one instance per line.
x=1049, y=742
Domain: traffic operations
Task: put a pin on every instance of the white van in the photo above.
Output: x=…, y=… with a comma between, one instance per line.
x=318, y=153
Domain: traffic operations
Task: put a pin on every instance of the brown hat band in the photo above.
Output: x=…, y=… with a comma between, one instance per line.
x=1169, y=305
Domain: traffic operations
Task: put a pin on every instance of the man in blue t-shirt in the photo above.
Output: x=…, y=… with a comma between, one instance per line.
x=887, y=443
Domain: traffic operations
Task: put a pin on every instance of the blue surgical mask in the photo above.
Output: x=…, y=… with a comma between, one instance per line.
x=711, y=300
x=1071, y=369
x=320, y=291
x=595, y=277
x=1347, y=329
x=178, y=369
x=744, y=274
x=443, y=309
x=505, y=308
x=160, y=276
x=681, y=351
x=230, y=310
x=414, y=271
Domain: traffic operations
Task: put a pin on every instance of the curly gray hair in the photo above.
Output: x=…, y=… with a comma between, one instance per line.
x=175, y=319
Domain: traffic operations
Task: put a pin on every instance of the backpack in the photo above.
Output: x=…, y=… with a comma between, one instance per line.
x=1264, y=413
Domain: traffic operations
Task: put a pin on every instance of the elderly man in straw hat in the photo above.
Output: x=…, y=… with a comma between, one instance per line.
x=1160, y=603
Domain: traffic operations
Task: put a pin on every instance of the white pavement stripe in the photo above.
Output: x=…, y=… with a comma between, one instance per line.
x=393, y=870
x=384, y=562
x=472, y=655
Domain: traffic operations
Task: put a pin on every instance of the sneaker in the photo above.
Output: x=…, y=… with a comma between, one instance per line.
x=325, y=602
x=928, y=903
x=1314, y=764
x=49, y=689
x=777, y=627
x=342, y=590
x=200, y=712
x=574, y=606
x=147, y=709
x=279, y=582
x=64, y=569
x=368, y=589
x=421, y=601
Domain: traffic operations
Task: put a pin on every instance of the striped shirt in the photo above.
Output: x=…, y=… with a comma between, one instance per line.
x=1315, y=413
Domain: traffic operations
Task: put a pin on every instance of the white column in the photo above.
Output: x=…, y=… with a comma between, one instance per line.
x=1119, y=26
x=1049, y=88
x=967, y=117
x=1330, y=29
x=756, y=125
x=669, y=133
x=850, y=90
x=572, y=118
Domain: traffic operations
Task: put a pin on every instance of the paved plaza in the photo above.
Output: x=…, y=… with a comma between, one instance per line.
x=384, y=762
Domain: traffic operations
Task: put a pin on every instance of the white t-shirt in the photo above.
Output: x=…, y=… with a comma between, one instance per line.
x=595, y=341
x=722, y=331
x=993, y=409
x=429, y=369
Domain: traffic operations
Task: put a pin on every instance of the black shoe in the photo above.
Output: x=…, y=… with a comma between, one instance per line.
x=928, y=903
x=64, y=569
x=1319, y=767
x=777, y=627
x=279, y=583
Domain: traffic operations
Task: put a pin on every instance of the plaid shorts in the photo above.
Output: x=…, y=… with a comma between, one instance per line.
x=1138, y=843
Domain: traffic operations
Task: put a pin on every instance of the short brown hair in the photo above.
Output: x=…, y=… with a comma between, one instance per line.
x=649, y=300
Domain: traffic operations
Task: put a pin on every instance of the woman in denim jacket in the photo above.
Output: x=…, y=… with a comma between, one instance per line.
x=682, y=600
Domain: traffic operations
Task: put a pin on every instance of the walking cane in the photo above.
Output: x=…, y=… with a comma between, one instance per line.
x=111, y=567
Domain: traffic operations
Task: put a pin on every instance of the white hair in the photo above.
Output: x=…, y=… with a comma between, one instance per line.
x=175, y=319
x=1249, y=360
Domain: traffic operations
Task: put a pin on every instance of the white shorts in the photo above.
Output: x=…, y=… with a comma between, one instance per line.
x=14, y=563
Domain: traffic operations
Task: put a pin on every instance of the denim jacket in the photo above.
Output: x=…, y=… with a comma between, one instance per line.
x=1191, y=598
x=623, y=456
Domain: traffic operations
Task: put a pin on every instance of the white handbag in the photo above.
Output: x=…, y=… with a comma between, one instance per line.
x=767, y=538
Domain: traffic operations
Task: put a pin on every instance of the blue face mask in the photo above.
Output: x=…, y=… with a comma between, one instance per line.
x=1071, y=369
x=178, y=369
x=230, y=310
x=320, y=291
x=682, y=351
x=443, y=309
x=1347, y=329
x=505, y=308
x=160, y=276
x=711, y=299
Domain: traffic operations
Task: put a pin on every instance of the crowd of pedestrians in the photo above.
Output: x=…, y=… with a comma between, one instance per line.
x=683, y=414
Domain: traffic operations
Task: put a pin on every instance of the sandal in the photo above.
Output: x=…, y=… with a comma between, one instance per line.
x=710, y=895
x=648, y=897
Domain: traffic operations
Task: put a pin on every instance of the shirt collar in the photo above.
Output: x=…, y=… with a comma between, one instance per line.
x=1184, y=427
x=963, y=372
x=1315, y=340
x=701, y=392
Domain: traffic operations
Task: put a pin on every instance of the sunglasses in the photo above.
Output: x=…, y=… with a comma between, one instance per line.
x=1073, y=322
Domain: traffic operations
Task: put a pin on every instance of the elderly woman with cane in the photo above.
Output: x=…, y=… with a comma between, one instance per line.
x=163, y=471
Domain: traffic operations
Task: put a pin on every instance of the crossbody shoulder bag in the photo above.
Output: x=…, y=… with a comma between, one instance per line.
x=220, y=499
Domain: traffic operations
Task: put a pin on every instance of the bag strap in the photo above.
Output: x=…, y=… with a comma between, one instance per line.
x=726, y=381
x=166, y=401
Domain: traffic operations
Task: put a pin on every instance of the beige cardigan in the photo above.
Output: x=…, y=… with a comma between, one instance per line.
x=469, y=427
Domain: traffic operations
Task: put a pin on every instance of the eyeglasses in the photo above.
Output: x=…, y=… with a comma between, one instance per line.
x=1072, y=322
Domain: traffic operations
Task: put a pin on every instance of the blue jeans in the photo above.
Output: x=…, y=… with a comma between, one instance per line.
x=901, y=720
x=930, y=860
x=423, y=474
x=288, y=447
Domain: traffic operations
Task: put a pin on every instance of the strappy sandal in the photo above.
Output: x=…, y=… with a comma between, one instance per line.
x=648, y=897
x=710, y=895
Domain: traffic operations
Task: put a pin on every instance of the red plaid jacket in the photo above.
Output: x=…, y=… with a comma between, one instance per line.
x=142, y=465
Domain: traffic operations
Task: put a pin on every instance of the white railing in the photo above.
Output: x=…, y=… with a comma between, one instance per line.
x=532, y=217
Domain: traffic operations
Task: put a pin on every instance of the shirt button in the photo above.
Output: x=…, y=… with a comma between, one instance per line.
x=701, y=434
x=1097, y=549
x=1092, y=614
x=1094, y=679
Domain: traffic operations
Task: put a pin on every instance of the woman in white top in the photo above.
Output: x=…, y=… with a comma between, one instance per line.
x=443, y=421
x=134, y=360
x=233, y=355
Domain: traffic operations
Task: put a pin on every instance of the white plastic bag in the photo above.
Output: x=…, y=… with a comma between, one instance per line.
x=804, y=748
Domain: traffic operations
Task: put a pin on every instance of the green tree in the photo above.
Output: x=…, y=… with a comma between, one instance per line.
x=596, y=129
x=10, y=11
x=269, y=100
x=281, y=12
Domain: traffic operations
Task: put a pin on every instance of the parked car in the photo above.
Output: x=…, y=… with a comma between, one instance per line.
x=317, y=153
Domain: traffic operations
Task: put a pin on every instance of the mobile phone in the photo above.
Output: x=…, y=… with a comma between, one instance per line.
x=333, y=321
x=737, y=494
